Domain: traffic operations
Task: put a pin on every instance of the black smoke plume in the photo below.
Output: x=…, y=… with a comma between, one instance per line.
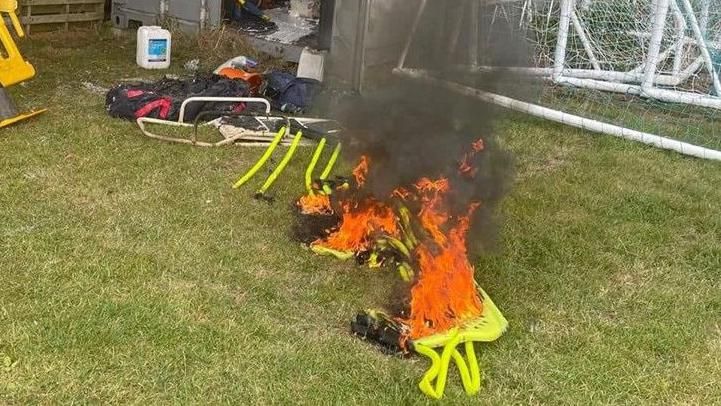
x=412, y=130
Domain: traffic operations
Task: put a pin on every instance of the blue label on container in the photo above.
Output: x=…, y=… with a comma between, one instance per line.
x=158, y=50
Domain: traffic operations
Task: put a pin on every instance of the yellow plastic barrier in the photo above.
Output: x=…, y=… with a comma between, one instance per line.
x=13, y=68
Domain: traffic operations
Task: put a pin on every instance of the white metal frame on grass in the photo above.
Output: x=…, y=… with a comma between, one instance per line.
x=232, y=135
x=143, y=121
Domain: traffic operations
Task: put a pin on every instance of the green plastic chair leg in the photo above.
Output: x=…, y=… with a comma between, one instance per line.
x=474, y=384
x=438, y=372
x=439, y=368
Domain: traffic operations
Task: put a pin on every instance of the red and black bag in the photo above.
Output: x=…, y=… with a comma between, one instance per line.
x=163, y=99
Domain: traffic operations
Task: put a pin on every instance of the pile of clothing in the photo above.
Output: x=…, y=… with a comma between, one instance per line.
x=162, y=99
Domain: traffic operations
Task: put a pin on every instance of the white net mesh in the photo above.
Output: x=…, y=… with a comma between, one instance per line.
x=610, y=69
x=614, y=37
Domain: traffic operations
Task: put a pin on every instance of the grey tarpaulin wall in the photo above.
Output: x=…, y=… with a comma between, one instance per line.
x=368, y=35
x=190, y=14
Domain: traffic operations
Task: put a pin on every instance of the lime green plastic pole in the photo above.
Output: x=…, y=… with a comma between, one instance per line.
x=331, y=162
x=311, y=167
x=329, y=167
x=262, y=161
x=405, y=271
x=342, y=255
x=283, y=163
x=410, y=239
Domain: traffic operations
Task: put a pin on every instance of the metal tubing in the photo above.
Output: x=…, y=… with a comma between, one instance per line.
x=565, y=118
x=563, y=26
x=702, y=45
x=181, y=116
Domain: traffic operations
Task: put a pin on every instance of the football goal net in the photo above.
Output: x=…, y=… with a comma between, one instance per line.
x=645, y=70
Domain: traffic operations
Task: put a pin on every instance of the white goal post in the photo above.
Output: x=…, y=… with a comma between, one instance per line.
x=665, y=51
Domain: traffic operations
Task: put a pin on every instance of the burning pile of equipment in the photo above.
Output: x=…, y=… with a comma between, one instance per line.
x=417, y=193
x=420, y=198
x=414, y=231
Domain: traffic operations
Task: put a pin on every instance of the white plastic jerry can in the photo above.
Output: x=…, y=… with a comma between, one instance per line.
x=153, y=49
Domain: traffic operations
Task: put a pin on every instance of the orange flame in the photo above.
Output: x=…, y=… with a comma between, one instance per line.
x=361, y=171
x=432, y=215
x=401, y=193
x=360, y=223
x=479, y=145
x=315, y=204
x=445, y=294
x=465, y=167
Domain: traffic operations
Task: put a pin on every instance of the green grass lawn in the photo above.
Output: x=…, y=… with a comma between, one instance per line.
x=131, y=272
